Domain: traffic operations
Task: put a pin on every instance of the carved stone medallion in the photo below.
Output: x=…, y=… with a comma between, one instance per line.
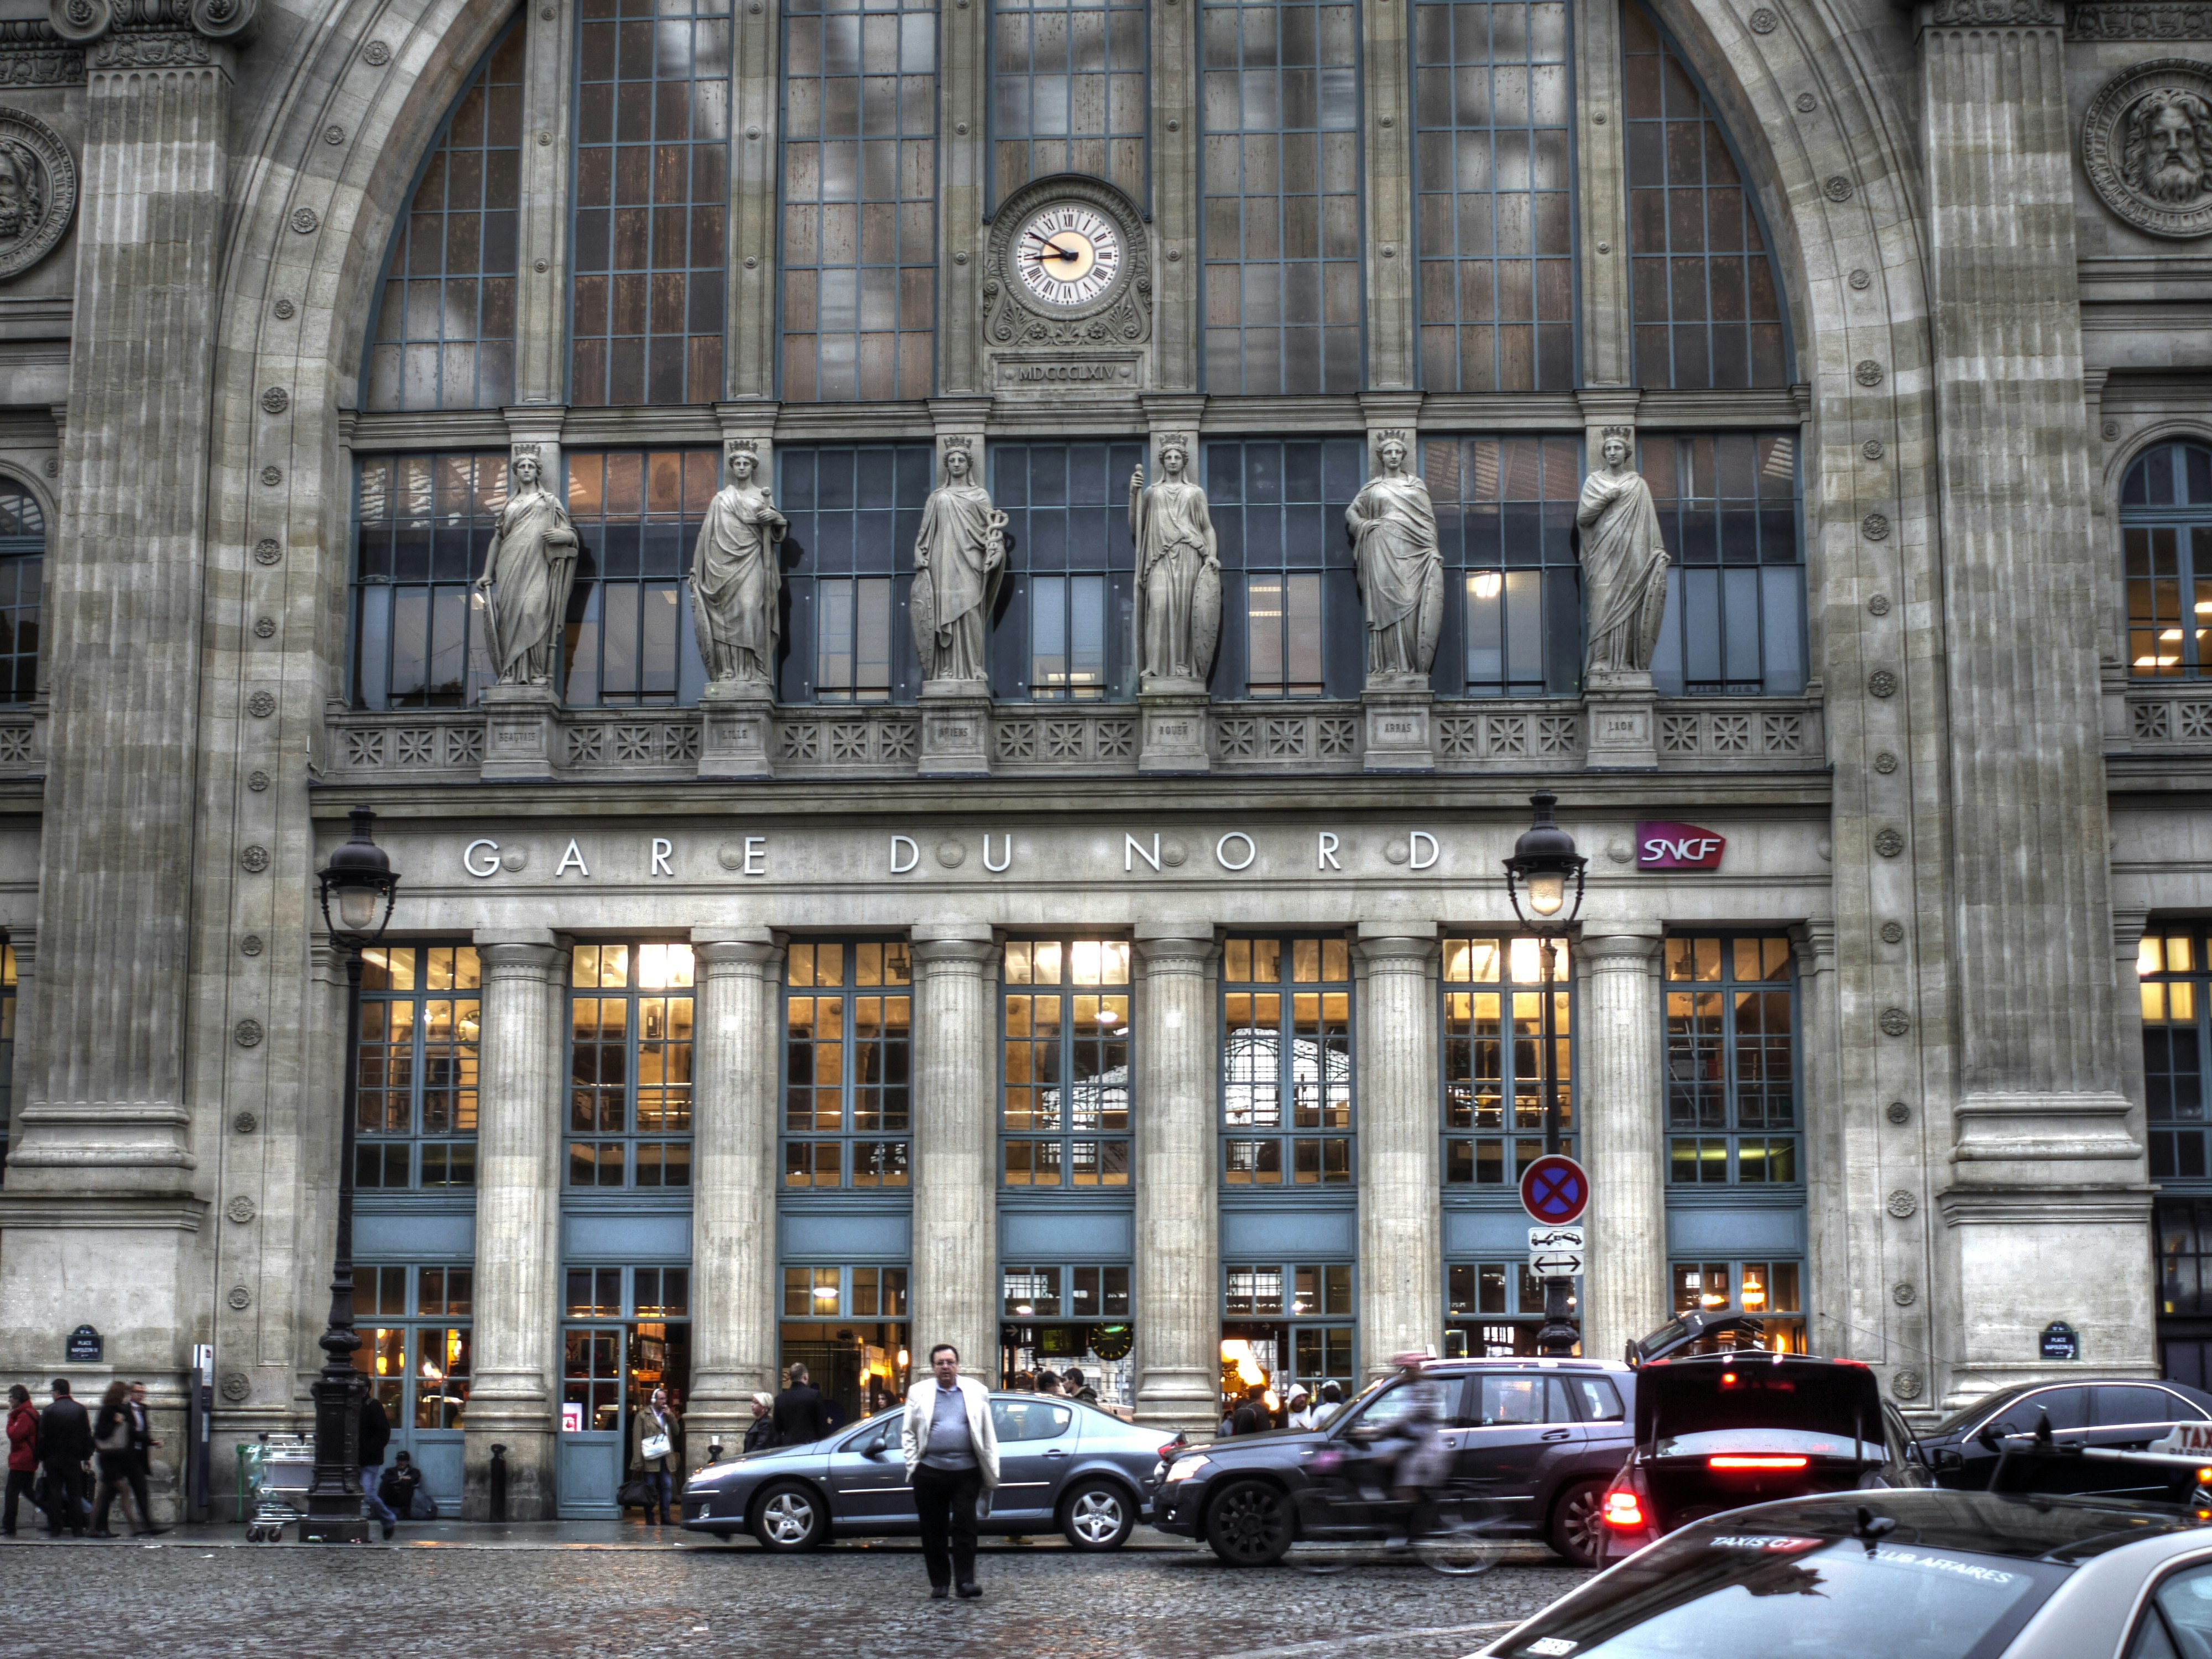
x=38, y=190
x=1905, y=1383
x=1895, y=1022
x=240, y=1209
x=1902, y=1203
x=236, y=1386
x=2146, y=146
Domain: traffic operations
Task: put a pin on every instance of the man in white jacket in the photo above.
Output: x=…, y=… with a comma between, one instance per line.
x=951, y=1449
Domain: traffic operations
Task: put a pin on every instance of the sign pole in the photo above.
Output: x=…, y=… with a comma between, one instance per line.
x=1556, y=1337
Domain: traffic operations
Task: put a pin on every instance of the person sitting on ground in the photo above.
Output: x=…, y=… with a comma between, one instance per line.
x=801, y=1418
x=400, y=1484
x=1077, y=1388
x=760, y=1434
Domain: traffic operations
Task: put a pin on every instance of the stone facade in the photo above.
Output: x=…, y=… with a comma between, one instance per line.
x=1958, y=819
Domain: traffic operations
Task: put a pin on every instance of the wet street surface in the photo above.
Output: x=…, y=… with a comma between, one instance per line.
x=602, y=1593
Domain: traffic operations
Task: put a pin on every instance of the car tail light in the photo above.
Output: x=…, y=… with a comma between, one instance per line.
x=1742, y=1460
x=1169, y=1450
x=1624, y=1510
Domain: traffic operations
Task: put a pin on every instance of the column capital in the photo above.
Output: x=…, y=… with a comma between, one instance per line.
x=734, y=948
x=1397, y=947
x=1814, y=941
x=2129, y=924
x=1175, y=947
x=952, y=945
x=1619, y=952
x=135, y=34
x=512, y=958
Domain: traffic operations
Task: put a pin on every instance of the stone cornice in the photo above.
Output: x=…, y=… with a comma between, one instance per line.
x=2140, y=20
x=162, y=1212
x=32, y=55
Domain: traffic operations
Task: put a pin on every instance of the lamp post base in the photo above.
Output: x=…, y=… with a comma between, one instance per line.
x=335, y=1530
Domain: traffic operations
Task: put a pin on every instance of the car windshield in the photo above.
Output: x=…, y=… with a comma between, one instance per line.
x=1709, y=1591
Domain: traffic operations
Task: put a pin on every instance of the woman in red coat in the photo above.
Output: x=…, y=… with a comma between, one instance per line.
x=22, y=1452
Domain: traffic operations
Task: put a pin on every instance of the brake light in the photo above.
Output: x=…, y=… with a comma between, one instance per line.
x=1739, y=1461
x=1167, y=1451
x=1623, y=1510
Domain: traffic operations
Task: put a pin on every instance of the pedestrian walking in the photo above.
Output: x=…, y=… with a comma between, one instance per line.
x=653, y=1435
x=951, y=1448
x=1049, y=1383
x=760, y=1434
x=142, y=1455
x=65, y=1444
x=375, y=1436
x=111, y=1442
x=22, y=1454
x=801, y=1419
x=1077, y=1386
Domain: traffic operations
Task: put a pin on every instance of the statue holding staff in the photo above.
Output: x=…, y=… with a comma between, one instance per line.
x=528, y=570
x=959, y=557
x=1624, y=565
x=1178, y=574
x=734, y=579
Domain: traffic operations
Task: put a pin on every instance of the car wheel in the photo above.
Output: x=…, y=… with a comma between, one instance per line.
x=1249, y=1524
x=790, y=1518
x=1578, y=1523
x=1097, y=1514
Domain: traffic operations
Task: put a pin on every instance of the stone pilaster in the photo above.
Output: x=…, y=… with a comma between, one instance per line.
x=962, y=147
x=1401, y=1290
x=756, y=85
x=1622, y=1102
x=541, y=293
x=1177, y=331
x=1386, y=55
x=733, y=1282
x=956, y=1145
x=519, y=1117
x=1178, y=1211
x=2044, y=1164
x=1601, y=195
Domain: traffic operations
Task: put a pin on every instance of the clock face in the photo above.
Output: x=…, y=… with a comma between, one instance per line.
x=1068, y=254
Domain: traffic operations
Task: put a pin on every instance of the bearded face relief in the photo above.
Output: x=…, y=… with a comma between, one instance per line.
x=38, y=190
x=2147, y=147
x=12, y=198
x=2169, y=133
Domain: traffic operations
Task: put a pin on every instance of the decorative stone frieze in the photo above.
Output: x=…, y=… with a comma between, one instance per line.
x=32, y=55
x=2140, y=20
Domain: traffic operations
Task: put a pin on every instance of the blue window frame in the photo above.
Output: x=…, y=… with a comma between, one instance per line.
x=1772, y=1290
x=1494, y=1310
x=859, y=199
x=22, y=590
x=1060, y=1315
x=1281, y=189
x=1291, y=624
x=421, y=1015
x=1705, y=298
x=1493, y=100
x=416, y=1344
x=1065, y=632
x=1495, y=1067
x=1732, y=1116
x=630, y=1066
x=652, y=202
x=848, y=1324
x=2174, y=979
x=1505, y=518
x=1288, y=1322
x=1068, y=92
x=1287, y=1086
x=847, y=1069
x=631, y=639
x=444, y=335
x=2166, y=525
x=854, y=511
x=422, y=525
x=1066, y=1078
x=1729, y=513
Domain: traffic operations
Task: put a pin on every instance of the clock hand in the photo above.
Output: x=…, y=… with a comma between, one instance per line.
x=1055, y=249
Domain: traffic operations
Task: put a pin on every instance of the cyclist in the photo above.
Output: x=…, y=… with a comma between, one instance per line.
x=1410, y=1448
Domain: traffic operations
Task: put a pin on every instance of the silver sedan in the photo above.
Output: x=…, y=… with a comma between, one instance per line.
x=1062, y=1465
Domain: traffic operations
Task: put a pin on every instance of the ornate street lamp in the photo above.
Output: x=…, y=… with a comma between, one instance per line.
x=1544, y=862
x=360, y=883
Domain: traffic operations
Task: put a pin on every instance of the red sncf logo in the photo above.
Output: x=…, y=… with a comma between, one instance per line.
x=1665, y=846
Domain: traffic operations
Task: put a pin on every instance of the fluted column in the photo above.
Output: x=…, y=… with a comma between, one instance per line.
x=733, y=1123
x=1402, y=1291
x=1622, y=1104
x=956, y=1142
x=1178, y=1211
x=518, y=1228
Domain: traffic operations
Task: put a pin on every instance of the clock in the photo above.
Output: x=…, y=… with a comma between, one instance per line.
x=1069, y=256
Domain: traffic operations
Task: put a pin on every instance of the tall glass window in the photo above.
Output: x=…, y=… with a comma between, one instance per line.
x=444, y=337
x=848, y=1325
x=1291, y=624
x=1705, y=298
x=1287, y=1093
x=848, y=1046
x=1065, y=635
x=1495, y=1066
x=1505, y=518
x=630, y=1066
x=1492, y=96
x=631, y=639
x=415, y=1341
x=422, y=525
x=860, y=198
x=22, y=590
x=1494, y=1310
x=2165, y=523
x=2170, y=966
x=1067, y=1070
x=2184, y=1287
x=1731, y=1061
x=652, y=194
x=1281, y=160
x=1769, y=1290
x=848, y=559
x=1068, y=92
x=421, y=1022
x=1067, y=1317
x=1735, y=596
x=1285, y=1322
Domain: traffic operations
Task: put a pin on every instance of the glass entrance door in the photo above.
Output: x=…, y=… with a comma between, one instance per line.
x=629, y=1333
x=591, y=1463
x=419, y=1368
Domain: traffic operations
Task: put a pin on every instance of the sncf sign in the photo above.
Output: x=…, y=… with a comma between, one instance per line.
x=1677, y=847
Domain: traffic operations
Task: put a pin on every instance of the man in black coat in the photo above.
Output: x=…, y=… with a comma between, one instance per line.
x=375, y=1436
x=65, y=1444
x=801, y=1417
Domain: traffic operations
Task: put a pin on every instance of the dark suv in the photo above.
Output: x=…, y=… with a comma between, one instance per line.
x=1543, y=1437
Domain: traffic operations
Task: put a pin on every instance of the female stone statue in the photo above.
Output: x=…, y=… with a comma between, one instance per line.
x=958, y=558
x=1178, y=574
x=1624, y=565
x=527, y=572
x=1401, y=567
x=734, y=579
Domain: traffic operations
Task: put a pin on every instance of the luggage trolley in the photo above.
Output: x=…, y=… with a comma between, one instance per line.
x=274, y=1473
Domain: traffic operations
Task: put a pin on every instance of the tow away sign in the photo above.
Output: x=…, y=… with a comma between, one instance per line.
x=1557, y=1253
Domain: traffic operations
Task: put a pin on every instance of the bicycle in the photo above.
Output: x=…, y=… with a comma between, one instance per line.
x=1454, y=1529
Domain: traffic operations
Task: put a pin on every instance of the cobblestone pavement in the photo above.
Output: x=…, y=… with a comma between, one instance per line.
x=211, y=1597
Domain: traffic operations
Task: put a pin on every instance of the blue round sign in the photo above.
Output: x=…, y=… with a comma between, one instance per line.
x=1554, y=1189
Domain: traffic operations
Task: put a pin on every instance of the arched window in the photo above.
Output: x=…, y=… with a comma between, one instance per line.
x=2166, y=524
x=444, y=337
x=22, y=588
x=1706, y=299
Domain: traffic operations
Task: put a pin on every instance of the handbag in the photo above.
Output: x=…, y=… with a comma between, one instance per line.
x=653, y=1448
x=632, y=1495
x=116, y=1439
